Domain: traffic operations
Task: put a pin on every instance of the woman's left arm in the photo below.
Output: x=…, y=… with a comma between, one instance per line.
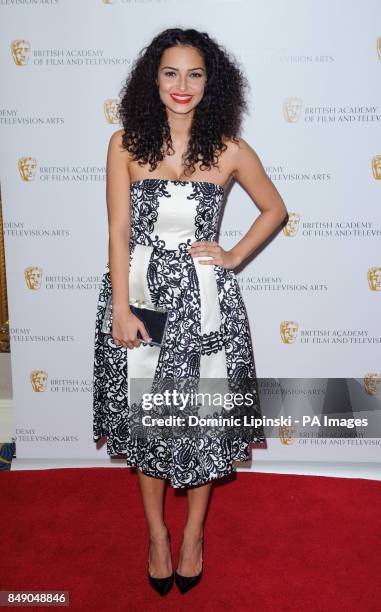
x=248, y=170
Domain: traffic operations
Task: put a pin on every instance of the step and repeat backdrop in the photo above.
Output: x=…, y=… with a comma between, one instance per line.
x=313, y=294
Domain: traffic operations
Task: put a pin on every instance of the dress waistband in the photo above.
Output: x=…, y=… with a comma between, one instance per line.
x=182, y=252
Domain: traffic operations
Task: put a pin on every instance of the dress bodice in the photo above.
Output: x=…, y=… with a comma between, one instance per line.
x=171, y=214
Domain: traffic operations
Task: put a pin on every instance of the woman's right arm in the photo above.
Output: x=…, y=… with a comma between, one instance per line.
x=125, y=323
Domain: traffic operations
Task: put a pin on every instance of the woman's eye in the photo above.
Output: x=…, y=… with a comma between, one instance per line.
x=171, y=72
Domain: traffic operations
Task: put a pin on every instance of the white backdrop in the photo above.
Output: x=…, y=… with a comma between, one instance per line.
x=313, y=294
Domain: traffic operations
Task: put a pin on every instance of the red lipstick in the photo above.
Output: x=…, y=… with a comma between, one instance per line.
x=181, y=98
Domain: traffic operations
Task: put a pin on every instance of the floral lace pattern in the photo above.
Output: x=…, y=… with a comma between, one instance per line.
x=174, y=283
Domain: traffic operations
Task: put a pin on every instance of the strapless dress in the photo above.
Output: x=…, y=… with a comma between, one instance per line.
x=207, y=339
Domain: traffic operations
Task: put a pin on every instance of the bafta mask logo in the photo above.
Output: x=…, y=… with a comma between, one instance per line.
x=374, y=278
x=376, y=167
x=292, y=225
x=33, y=277
x=27, y=168
x=110, y=108
x=372, y=383
x=39, y=380
x=20, y=52
x=379, y=47
x=288, y=331
x=286, y=434
x=292, y=108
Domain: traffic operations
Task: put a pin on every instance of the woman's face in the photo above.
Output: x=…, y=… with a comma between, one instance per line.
x=181, y=78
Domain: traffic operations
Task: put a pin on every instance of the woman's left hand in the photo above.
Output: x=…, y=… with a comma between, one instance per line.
x=226, y=259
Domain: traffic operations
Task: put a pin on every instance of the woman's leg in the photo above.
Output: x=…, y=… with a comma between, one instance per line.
x=190, y=560
x=152, y=494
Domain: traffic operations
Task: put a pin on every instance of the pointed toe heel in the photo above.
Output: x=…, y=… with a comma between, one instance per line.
x=161, y=585
x=185, y=583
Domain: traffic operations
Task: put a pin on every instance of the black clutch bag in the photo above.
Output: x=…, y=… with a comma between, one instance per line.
x=155, y=320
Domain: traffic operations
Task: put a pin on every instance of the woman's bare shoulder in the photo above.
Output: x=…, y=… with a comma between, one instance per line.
x=238, y=152
x=237, y=145
x=117, y=154
x=116, y=141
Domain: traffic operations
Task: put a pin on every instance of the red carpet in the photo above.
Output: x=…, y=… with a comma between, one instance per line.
x=272, y=542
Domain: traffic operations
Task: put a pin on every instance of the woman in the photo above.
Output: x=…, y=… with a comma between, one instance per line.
x=181, y=109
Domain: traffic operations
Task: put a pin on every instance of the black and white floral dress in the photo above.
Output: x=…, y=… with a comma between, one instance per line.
x=207, y=338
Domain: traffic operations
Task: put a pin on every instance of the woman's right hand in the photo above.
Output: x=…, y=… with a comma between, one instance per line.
x=125, y=327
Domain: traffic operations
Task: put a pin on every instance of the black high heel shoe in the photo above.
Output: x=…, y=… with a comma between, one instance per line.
x=185, y=583
x=162, y=585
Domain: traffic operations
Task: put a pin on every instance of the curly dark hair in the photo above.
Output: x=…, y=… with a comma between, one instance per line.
x=217, y=116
